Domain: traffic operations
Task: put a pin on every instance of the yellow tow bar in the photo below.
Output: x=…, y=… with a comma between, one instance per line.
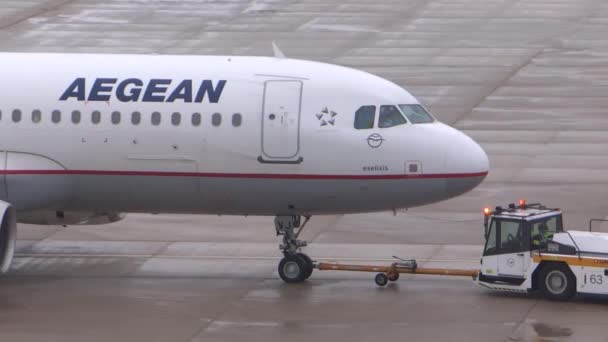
x=386, y=273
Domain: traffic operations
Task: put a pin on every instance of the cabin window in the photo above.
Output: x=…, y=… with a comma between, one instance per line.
x=176, y=119
x=36, y=116
x=237, y=119
x=76, y=117
x=135, y=118
x=364, y=117
x=196, y=119
x=156, y=118
x=216, y=119
x=390, y=116
x=56, y=116
x=16, y=115
x=115, y=118
x=96, y=117
x=416, y=114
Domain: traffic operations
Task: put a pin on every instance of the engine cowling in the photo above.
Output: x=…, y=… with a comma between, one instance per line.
x=8, y=235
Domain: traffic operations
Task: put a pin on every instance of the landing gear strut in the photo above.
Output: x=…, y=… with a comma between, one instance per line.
x=295, y=267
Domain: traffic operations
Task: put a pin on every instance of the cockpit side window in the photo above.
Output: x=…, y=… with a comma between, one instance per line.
x=416, y=114
x=390, y=116
x=364, y=117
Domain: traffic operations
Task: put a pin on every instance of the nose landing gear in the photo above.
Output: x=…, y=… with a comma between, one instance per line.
x=295, y=267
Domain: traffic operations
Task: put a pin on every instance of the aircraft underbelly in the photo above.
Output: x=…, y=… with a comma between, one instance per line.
x=31, y=181
x=241, y=196
x=161, y=193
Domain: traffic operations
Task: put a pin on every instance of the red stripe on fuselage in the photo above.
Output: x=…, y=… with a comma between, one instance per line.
x=238, y=175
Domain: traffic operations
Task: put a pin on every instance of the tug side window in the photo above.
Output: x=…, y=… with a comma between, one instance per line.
x=545, y=229
x=506, y=237
x=364, y=117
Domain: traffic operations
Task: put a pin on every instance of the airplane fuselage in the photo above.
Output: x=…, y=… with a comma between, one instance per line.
x=219, y=135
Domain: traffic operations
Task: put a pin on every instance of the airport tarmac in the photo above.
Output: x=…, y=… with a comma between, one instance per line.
x=526, y=79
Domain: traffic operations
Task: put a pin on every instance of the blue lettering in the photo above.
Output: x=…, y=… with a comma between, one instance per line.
x=76, y=89
x=207, y=88
x=155, y=92
x=133, y=92
x=102, y=89
x=183, y=92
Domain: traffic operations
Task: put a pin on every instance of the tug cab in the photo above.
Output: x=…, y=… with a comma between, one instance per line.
x=512, y=234
x=527, y=250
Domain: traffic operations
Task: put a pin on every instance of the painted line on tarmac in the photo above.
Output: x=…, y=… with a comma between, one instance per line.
x=216, y=257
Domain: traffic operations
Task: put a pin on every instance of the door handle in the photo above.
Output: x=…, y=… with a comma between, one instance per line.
x=520, y=254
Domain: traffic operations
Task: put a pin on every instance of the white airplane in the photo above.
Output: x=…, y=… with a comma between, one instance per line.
x=88, y=137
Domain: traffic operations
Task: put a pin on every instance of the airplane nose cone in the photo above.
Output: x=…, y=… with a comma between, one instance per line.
x=467, y=163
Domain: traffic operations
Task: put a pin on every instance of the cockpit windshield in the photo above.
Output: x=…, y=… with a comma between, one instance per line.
x=390, y=117
x=416, y=113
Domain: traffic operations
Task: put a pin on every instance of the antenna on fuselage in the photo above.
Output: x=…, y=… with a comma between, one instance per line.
x=277, y=52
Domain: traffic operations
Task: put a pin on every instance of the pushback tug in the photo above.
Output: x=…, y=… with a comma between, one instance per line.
x=526, y=250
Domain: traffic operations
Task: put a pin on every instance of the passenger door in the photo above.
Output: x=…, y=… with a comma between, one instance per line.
x=281, y=121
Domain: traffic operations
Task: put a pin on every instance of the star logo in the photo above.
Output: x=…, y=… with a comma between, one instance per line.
x=327, y=117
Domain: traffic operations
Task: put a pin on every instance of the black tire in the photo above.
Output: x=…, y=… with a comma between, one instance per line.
x=393, y=276
x=292, y=269
x=309, y=264
x=381, y=279
x=557, y=282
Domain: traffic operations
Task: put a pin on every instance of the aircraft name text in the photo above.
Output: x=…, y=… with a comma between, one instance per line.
x=375, y=168
x=135, y=90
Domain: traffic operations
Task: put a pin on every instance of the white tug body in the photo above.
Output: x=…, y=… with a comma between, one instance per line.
x=527, y=249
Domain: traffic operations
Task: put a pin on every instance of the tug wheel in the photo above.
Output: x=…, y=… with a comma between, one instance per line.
x=393, y=276
x=557, y=282
x=381, y=279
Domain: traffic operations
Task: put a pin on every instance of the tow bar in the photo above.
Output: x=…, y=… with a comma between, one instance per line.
x=391, y=273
